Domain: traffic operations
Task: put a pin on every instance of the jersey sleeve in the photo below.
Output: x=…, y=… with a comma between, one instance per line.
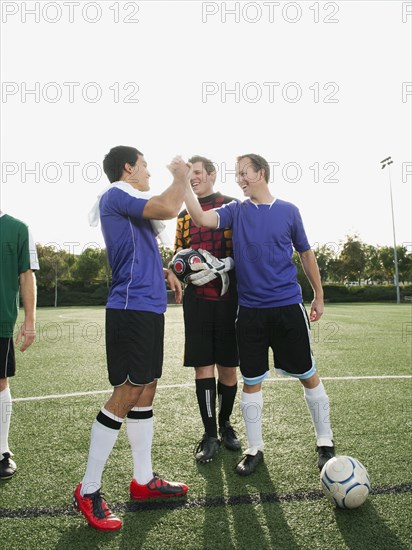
x=23, y=249
x=226, y=214
x=299, y=238
x=34, y=259
x=127, y=205
x=179, y=234
x=27, y=251
x=183, y=237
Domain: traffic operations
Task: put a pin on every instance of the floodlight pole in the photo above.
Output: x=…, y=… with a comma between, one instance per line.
x=387, y=162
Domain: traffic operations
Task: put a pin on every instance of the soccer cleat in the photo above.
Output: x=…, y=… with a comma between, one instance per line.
x=324, y=454
x=156, y=488
x=249, y=463
x=95, y=510
x=229, y=437
x=7, y=466
x=206, y=449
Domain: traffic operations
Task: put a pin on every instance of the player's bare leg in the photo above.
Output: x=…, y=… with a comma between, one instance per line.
x=139, y=425
x=123, y=399
x=88, y=497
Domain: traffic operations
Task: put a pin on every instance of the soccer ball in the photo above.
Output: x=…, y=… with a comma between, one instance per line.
x=183, y=261
x=345, y=482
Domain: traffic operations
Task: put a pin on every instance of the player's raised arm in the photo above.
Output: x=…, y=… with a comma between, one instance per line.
x=201, y=218
x=167, y=205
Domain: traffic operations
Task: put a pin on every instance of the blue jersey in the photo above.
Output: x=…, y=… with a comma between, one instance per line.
x=263, y=239
x=137, y=273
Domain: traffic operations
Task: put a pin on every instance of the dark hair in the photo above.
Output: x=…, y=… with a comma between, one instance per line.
x=258, y=163
x=207, y=163
x=116, y=158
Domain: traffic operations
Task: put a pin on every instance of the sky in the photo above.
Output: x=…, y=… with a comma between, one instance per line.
x=322, y=90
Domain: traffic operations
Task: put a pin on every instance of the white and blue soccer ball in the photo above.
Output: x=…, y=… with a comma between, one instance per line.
x=345, y=482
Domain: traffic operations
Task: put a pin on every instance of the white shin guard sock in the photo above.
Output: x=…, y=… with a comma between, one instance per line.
x=102, y=441
x=252, y=405
x=5, y=416
x=318, y=405
x=140, y=434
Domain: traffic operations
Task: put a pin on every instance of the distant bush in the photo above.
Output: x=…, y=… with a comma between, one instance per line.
x=366, y=293
x=74, y=293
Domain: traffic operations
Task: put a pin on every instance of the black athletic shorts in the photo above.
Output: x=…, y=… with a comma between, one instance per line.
x=7, y=358
x=210, y=335
x=285, y=330
x=134, y=346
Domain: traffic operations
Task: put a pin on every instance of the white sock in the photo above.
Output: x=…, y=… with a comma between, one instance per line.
x=318, y=405
x=5, y=416
x=139, y=426
x=252, y=405
x=104, y=434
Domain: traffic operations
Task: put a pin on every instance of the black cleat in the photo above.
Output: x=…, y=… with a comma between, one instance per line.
x=7, y=466
x=249, y=463
x=229, y=437
x=324, y=454
x=206, y=449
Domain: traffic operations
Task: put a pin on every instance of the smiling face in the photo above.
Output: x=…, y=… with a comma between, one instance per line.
x=138, y=175
x=202, y=182
x=248, y=179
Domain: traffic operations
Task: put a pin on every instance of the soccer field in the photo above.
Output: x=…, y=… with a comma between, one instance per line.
x=363, y=353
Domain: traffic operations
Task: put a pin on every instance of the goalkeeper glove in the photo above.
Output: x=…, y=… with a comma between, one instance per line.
x=211, y=269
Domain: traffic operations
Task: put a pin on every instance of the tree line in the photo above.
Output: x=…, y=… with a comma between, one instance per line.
x=353, y=261
x=348, y=262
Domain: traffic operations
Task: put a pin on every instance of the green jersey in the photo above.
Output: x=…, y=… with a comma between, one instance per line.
x=17, y=255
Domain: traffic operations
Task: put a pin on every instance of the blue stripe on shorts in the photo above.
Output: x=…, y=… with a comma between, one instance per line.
x=256, y=379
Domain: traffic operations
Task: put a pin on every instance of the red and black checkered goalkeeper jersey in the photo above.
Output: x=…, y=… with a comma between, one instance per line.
x=216, y=241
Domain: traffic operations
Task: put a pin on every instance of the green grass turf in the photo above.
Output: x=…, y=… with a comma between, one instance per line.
x=371, y=418
x=381, y=524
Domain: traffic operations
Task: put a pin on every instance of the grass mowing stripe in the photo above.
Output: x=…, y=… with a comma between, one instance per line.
x=208, y=502
x=192, y=385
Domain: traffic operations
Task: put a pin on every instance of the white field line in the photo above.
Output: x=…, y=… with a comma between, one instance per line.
x=190, y=385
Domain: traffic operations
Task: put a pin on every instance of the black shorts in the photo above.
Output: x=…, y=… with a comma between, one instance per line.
x=210, y=335
x=7, y=358
x=285, y=330
x=134, y=346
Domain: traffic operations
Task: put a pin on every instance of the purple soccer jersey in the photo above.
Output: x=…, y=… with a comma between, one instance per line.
x=138, y=281
x=264, y=236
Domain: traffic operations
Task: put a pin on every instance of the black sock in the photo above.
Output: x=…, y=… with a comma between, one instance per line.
x=206, y=397
x=226, y=395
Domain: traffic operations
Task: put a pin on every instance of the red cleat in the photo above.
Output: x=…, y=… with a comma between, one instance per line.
x=157, y=488
x=95, y=510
